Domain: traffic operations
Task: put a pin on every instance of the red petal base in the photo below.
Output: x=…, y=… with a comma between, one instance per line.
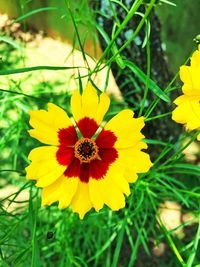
x=95, y=169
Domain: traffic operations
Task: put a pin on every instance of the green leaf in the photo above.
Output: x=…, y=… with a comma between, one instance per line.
x=143, y=77
x=11, y=42
x=34, y=12
x=114, y=48
x=22, y=70
x=168, y=2
x=183, y=167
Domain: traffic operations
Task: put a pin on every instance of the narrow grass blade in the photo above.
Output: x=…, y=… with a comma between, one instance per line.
x=28, y=69
x=11, y=42
x=143, y=77
x=33, y=12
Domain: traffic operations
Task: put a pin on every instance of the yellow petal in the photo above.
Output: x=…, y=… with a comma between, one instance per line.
x=190, y=77
x=90, y=101
x=62, y=190
x=103, y=107
x=81, y=202
x=195, y=59
x=51, y=193
x=126, y=128
x=116, y=176
x=89, y=104
x=95, y=195
x=179, y=100
x=68, y=191
x=111, y=195
x=187, y=112
x=47, y=123
x=185, y=74
x=113, y=184
x=134, y=162
x=76, y=106
x=184, y=98
x=44, y=167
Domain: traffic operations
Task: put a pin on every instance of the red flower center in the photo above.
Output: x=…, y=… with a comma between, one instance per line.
x=86, y=158
x=86, y=150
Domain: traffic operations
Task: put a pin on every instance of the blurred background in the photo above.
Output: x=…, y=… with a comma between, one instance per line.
x=179, y=23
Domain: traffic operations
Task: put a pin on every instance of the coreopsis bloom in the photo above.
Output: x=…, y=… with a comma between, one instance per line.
x=188, y=104
x=85, y=165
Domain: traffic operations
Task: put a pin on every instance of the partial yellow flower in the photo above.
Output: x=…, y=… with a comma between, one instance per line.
x=87, y=169
x=188, y=105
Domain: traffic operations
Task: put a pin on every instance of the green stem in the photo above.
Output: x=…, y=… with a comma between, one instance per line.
x=165, y=232
x=174, y=156
x=148, y=74
x=28, y=69
x=158, y=116
x=130, y=14
x=135, y=32
x=18, y=93
x=167, y=90
x=195, y=246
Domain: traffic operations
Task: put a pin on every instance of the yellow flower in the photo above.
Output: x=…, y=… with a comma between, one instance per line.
x=188, y=105
x=89, y=170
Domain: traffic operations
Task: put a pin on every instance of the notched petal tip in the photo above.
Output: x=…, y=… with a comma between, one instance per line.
x=44, y=203
x=38, y=184
x=97, y=209
x=128, y=192
x=81, y=212
x=81, y=215
x=61, y=206
x=119, y=207
x=133, y=178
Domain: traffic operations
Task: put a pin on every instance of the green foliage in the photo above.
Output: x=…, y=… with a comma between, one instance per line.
x=35, y=236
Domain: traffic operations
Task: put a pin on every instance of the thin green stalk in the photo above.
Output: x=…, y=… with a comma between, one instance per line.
x=109, y=46
x=118, y=245
x=156, y=101
x=97, y=68
x=35, y=68
x=78, y=36
x=148, y=74
x=130, y=14
x=33, y=12
x=178, y=152
x=167, y=149
x=18, y=93
x=33, y=228
x=158, y=116
x=104, y=246
x=137, y=30
x=195, y=247
x=167, y=90
x=165, y=232
x=108, y=233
